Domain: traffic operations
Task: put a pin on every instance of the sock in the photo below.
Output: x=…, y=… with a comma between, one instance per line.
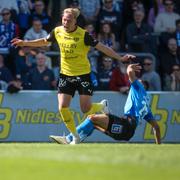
x=84, y=130
x=68, y=119
x=96, y=107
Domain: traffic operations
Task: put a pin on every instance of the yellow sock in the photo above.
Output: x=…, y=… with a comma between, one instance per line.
x=68, y=119
x=95, y=108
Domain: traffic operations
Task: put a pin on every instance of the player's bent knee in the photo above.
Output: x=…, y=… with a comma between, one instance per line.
x=92, y=117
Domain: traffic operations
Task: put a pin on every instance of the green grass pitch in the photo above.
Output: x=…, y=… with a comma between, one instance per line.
x=50, y=161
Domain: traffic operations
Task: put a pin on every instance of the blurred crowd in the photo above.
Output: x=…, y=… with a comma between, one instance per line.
x=148, y=28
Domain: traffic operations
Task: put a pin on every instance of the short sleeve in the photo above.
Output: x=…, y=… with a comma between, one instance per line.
x=51, y=36
x=89, y=40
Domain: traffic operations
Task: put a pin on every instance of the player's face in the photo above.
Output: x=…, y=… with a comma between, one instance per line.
x=68, y=22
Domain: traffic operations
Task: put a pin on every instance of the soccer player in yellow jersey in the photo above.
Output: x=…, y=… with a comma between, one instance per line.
x=74, y=43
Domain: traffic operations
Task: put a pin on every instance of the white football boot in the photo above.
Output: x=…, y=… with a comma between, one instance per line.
x=59, y=139
x=76, y=140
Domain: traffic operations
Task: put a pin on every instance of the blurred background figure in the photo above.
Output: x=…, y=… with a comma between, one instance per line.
x=23, y=15
x=105, y=73
x=8, y=31
x=177, y=33
x=39, y=12
x=93, y=54
x=110, y=15
x=119, y=80
x=5, y=75
x=106, y=36
x=168, y=59
x=41, y=77
x=36, y=31
x=166, y=21
x=173, y=80
x=128, y=10
x=139, y=35
x=158, y=7
x=150, y=75
x=11, y=5
x=81, y=20
x=90, y=9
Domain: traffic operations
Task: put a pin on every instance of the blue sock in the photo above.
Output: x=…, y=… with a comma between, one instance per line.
x=84, y=130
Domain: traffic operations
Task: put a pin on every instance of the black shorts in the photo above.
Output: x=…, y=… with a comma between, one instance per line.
x=121, y=128
x=69, y=84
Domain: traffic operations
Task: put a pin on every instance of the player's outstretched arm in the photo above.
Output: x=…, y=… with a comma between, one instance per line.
x=111, y=53
x=156, y=130
x=131, y=71
x=33, y=43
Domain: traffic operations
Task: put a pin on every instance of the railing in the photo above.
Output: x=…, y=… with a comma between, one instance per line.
x=56, y=53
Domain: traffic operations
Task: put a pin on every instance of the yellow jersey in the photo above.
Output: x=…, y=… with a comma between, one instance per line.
x=73, y=51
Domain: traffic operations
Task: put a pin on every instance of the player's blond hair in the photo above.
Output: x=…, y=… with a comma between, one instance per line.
x=74, y=11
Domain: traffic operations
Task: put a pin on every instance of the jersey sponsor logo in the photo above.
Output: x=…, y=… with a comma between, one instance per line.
x=76, y=39
x=116, y=128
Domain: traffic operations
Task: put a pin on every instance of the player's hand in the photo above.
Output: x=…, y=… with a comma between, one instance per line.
x=17, y=42
x=135, y=67
x=127, y=57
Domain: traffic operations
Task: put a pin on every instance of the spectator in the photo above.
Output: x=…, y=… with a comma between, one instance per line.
x=36, y=31
x=177, y=6
x=150, y=75
x=168, y=59
x=24, y=61
x=81, y=21
x=173, y=80
x=118, y=5
x=54, y=9
x=109, y=15
x=11, y=5
x=93, y=54
x=119, y=80
x=128, y=11
x=40, y=13
x=5, y=75
x=166, y=21
x=40, y=77
x=90, y=9
x=175, y=75
x=23, y=15
x=105, y=73
x=157, y=8
x=106, y=36
x=90, y=29
x=139, y=35
x=8, y=29
x=177, y=33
